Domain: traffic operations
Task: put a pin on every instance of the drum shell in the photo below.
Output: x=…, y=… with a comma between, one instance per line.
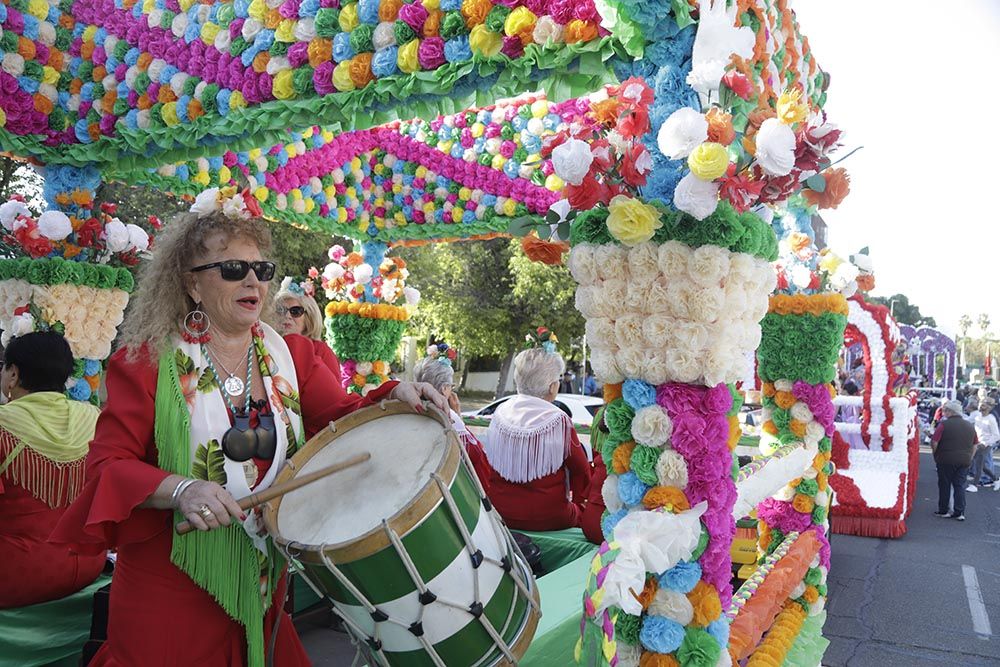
x=436, y=547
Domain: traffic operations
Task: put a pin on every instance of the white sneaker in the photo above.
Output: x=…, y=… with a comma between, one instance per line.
x=971, y=488
x=996, y=485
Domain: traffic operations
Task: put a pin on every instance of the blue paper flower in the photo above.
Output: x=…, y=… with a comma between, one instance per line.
x=682, y=577
x=80, y=391
x=631, y=489
x=638, y=394
x=661, y=635
x=91, y=367
x=719, y=628
x=611, y=520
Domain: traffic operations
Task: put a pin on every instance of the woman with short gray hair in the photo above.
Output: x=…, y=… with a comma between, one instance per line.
x=539, y=470
x=436, y=370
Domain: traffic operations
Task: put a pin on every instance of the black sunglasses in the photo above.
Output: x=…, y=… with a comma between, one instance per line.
x=295, y=311
x=237, y=269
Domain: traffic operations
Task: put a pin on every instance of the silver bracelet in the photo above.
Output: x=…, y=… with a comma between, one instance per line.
x=179, y=489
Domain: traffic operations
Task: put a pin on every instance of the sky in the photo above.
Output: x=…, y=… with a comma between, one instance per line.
x=917, y=83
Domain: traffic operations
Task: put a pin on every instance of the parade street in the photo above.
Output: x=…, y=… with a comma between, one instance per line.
x=930, y=598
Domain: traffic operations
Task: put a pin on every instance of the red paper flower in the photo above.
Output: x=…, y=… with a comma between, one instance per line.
x=739, y=190
x=587, y=195
x=636, y=164
x=253, y=206
x=739, y=84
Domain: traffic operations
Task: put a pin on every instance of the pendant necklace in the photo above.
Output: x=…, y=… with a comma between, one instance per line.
x=233, y=385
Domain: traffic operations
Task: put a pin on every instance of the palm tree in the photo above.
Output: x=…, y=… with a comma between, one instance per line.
x=984, y=322
x=964, y=324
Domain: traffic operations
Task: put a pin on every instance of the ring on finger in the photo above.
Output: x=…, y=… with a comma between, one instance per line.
x=205, y=511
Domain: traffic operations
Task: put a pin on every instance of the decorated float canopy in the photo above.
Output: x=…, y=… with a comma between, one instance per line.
x=124, y=84
x=672, y=140
x=924, y=346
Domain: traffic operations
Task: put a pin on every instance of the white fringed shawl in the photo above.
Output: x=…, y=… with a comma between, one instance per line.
x=528, y=438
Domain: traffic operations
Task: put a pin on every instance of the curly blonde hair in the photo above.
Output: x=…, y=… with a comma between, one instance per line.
x=158, y=307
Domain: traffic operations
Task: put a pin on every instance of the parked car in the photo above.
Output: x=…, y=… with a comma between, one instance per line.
x=580, y=408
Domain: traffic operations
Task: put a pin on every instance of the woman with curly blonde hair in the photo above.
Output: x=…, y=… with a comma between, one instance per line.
x=205, y=404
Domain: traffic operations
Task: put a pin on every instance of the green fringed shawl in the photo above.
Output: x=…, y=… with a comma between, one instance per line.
x=224, y=562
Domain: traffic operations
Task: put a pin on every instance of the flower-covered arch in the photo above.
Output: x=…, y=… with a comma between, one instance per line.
x=925, y=345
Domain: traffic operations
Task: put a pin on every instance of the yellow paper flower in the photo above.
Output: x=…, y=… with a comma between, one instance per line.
x=709, y=161
x=485, y=42
x=829, y=261
x=349, y=17
x=791, y=109
x=283, y=86
x=342, y=76
x=632, y=222
x=520, y=22
x=407, y=57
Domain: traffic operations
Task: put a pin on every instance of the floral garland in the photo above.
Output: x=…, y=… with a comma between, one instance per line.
x=68, y=275
x=798, y=407
x=668, y=449
x=779, y=640
x=363, y=324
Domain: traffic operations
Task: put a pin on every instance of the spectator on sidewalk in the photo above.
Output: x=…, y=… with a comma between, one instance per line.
x=988, y=433
x=953, y=444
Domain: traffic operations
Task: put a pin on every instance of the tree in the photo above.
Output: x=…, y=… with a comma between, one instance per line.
x=19, y=178
x=984, y=323
x=903, y=311
x=483, y=297
x=964, y=324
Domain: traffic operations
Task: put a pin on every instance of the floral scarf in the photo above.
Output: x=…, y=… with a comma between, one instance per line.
x=238, y=569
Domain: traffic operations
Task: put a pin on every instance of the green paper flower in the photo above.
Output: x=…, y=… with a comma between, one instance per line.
x=643, y=464
x=618, y=417
x=699, y=649
x=627, y=628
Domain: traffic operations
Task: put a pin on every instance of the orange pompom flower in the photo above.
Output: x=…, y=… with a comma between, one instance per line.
x=705, y=601
x=546, y=252
x=838, y=186
x=666, y=496
x=621, y=460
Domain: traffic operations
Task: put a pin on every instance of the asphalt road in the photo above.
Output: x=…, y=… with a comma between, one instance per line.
x=901, y=602
x=913, y=601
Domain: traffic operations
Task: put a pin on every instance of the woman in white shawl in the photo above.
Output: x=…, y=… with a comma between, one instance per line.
x=539, y=470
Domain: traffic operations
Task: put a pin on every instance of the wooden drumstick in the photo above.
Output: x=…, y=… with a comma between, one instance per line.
x=255, y=499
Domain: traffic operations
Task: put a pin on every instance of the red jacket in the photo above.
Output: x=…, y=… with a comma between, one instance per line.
x=543, y=504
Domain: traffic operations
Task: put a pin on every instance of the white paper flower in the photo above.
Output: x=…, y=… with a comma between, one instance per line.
x=364, y=367
x=571, y=160
x=384, y=35
x=725, y=659
x=54, y=225
x=683, y=365
x=411, y=295
x=651, y=426
x=642, y=263
x=116, y=235
x=581, y=264
x=696, y=197
x=609, y=297
x=363, y=274
x=585, y=301
x=673, y=258
x=605, y=367
x=673, y=605
x=629, y=330
x=706, y=303
x=206, y=203
x=801, y=412
x=775, y=148
x=22, y=324
x=682, y=132
x=547, y=30
x=600, y=333
x=719, y=37
x=709, y=265
x=654, y=368
x=658, y=297
x=138, y=239
x=631, y=361
x=658, y=331
x=609, y=491
x=800, y=276
x=611, y=261
x=10, y=211
x=628, y=654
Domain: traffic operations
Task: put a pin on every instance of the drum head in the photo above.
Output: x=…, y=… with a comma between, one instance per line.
x=405, y=449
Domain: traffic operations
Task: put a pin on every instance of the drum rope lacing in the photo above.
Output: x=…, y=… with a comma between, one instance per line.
x=372, y=644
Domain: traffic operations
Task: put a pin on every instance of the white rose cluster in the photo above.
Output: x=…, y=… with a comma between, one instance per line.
x=669, y=312
x=90, y=316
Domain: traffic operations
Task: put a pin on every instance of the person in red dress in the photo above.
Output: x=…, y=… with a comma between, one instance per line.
x=43, y=448
x=172, y=444
x=539, y=471
x=298, y=313
x=593, y=512
x=436, y=370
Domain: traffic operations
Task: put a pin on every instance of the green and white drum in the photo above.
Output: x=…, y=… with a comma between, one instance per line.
x=406, y=546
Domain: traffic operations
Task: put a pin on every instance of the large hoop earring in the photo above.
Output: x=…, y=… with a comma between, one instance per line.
x=196, y=326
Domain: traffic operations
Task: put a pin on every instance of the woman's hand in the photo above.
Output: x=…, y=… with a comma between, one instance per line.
x=453, y=403
x=207, y=506
x=412, y=393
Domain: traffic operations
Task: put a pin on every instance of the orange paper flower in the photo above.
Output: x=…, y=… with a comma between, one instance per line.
x=612, y=391
x=648, y=659
x=666, y=496
x=838, y=186
x=705, y=600
x=546, y=252
x=720, y=126
x=621, y=460
x=645, y=598
x=784, y=399
x=803, y=503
